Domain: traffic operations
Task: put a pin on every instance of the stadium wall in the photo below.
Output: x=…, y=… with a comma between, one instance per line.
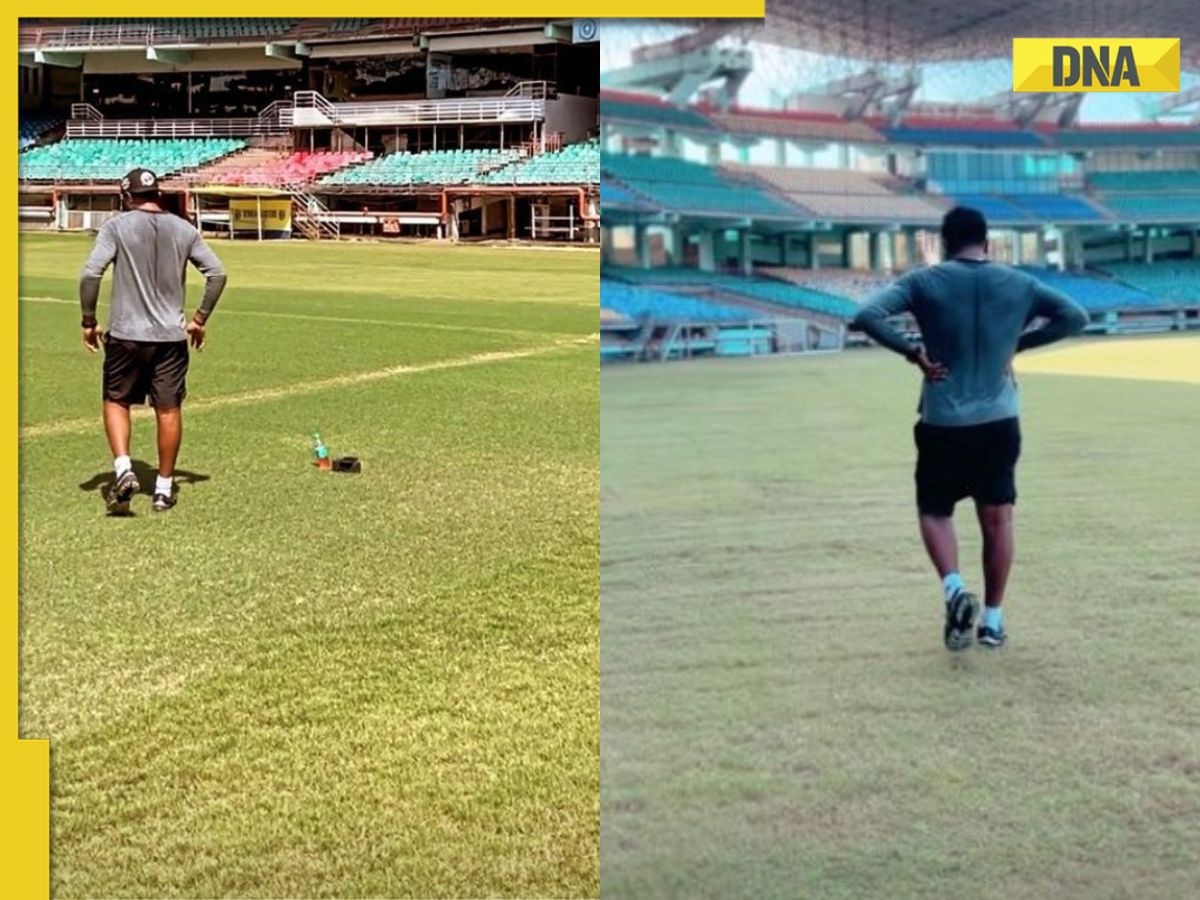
x=573, y=116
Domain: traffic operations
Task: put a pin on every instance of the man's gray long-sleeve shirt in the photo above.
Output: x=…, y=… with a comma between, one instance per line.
x=972, y=315
x=149, y=252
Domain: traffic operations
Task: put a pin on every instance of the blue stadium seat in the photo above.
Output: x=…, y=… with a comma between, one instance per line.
x=639, y=302
x=994, y=209
x=963, y=137
x=1170, y=280
x=654, y=112
x=1096, y=294
x=683, y=186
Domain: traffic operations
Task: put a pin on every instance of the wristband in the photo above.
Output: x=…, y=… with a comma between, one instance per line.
x=88, y=322
x=199, y=318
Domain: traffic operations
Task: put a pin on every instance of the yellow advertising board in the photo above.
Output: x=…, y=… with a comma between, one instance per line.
x=255, y=215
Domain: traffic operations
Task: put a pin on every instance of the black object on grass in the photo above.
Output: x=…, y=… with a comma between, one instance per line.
x=347, y=464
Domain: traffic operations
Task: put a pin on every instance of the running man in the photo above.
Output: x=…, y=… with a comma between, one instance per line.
x=972, y=314
x=146, y=346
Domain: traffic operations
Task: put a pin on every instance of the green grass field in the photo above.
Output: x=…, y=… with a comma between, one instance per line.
x=779, y=716
x=303, y=684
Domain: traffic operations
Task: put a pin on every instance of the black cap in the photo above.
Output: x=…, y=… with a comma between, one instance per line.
x=140, y=181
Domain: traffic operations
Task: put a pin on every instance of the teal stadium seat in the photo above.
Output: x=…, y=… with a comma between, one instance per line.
x=105, y=160
x=432, y=167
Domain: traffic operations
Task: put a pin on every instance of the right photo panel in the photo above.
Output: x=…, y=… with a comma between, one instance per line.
x=900, y=498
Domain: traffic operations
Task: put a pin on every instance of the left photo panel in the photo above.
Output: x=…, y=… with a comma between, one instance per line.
x=309, y=454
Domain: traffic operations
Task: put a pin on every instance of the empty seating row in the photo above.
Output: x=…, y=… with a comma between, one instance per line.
x=298, y=168
x=1171, y=280
x=1093, y=293
x=573, y=164
x=1087, y=138
x=794, y=125
x=638, y=303
x=852, y=284
x=687, y=187
x=764, y=290
x=963, y=137
x=1155, y=207
x=651, y=110
x=613, y=196
x=795, y=179
x=88, y=160
x=31, y=128
x=1163, y=180
x=428, y=167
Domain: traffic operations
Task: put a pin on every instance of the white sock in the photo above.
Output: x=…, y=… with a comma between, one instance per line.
x=163, y=485
x=121, y=465
x=952, y=584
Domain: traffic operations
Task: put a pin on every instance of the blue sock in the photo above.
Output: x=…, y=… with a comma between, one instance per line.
x=952, y=584
x=993, y=618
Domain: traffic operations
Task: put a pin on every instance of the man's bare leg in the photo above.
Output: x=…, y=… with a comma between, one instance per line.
x=116, y=426
x=996, y=526
x=170, y=435
x=941, y=543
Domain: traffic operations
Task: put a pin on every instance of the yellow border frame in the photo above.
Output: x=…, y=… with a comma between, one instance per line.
x=26, y=763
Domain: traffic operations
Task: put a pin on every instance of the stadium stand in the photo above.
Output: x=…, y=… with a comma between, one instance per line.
x=853, y=284
x=1162, y=180
x=88, y=160
x=573, y=164
x=993, y=135
x=33, y=128
x=1057, y=208
x=427, y=167
x=839, y=193
x=994, y=209
x=1154, y=207
x=635, y=108
x=613, y=196
x=682, y=186
x=1095, y=294
x=792, y=125
x=778, y=293
x=636, y=302
x=1172, y=280
x=1151, y=136
x=300, y=167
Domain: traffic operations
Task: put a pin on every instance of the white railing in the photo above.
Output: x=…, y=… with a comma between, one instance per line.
x=313, y=110
x=85, y=111
x=532, y=90
x=174, y=128
x=84, y=36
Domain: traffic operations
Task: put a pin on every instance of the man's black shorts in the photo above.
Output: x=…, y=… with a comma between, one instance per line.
x=135, y=370
x=978, y=461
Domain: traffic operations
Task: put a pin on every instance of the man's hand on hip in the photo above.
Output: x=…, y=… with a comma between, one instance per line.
x=196, y=332
x=932, y=370
x=92, y=336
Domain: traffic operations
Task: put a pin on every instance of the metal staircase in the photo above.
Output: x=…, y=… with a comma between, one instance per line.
x=310, y=216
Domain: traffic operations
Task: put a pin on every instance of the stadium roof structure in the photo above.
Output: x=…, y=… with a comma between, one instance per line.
x=920, y=31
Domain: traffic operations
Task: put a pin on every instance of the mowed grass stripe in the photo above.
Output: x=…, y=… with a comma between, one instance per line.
x=81, y=425
x=353, y=320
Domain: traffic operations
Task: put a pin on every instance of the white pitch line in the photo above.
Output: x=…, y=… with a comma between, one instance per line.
x=82, y=426
x=223, y=311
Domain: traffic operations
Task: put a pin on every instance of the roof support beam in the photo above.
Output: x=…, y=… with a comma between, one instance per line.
x=56, y=58
x=170, y=57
